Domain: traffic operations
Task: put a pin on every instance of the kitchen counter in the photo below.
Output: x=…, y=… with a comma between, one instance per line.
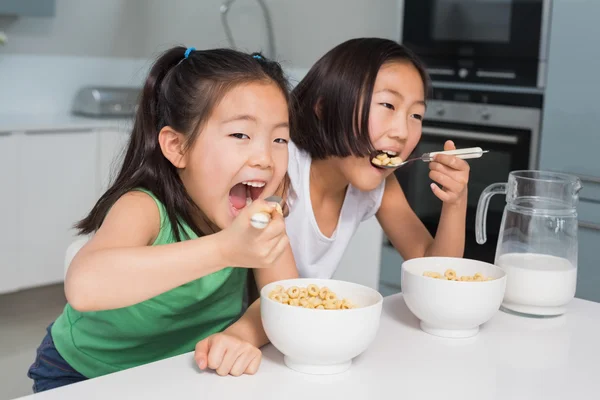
x=58, y=122
x=511, y=358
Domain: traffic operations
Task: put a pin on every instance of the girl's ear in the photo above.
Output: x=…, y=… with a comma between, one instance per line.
x=172, y=145
x=319, y=108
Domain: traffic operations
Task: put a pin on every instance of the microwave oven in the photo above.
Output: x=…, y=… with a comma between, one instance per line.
x=499, y=42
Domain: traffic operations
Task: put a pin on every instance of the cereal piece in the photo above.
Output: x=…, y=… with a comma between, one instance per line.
x=395, y=161
x=303, y=293
x=386, y=161
x=278, y=289
x=320, y=307
x=285, y=298
x=477, y=275
x=382, y=156
x=293, y=292
x=323, y=292
x=331, y=305
x=313, y=290
x=303, y=302
x=275, y=296
x=294, y=302
x=315, y=301
x=346, y=304
x=450, y=274
x=376, y=161
x=330, y=296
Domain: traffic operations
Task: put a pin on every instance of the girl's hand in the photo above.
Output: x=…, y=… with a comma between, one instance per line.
x=452, y=173
x=228, y=355
x=243, y=245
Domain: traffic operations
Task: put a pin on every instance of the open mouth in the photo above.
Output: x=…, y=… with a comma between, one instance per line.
x=244, y=193
x=385, y=158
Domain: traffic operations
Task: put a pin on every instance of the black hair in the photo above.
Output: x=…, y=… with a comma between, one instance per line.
x=331, y=104
x=181, y=92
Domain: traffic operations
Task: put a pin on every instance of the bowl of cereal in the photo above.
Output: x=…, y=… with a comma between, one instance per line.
x=320, y=325
x=452, y=297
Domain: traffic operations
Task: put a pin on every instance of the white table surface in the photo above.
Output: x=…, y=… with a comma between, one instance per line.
x=511, y=358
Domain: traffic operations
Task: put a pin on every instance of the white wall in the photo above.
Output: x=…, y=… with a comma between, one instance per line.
x=112, y=42
x=303, y=29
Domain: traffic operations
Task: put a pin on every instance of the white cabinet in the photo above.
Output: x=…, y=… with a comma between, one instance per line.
x=9, y=267
x=49, y=180
x=111, y=151
x=57, y=179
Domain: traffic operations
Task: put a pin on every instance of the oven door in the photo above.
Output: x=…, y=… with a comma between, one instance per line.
x=508, y=151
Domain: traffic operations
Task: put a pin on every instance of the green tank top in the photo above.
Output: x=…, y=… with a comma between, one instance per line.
x=101, y=342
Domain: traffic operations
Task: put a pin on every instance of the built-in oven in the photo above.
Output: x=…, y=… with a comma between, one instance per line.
x=480, y=41
x=506, y=124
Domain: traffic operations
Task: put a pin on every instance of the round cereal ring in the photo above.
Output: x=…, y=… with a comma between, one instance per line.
x=330, y=296
x=293, y=292
x=276, y=297
x=313, y=290
x=320, y=307
x=450, y=274
x=303, y=293
x=323, y=292
x=285, y=298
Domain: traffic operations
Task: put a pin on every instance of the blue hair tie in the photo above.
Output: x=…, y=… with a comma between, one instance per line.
x=257, y=56
x=188, y=51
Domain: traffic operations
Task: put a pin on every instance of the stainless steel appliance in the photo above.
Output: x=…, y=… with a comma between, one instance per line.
x=507, y=124
x=480, y=41
x=111, y=102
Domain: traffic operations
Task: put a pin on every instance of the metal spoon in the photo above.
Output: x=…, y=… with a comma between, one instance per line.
x=471, y=152
x=260, y=220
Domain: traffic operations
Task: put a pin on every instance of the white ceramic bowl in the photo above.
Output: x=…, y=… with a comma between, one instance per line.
x=449, y=308
x=322, y=341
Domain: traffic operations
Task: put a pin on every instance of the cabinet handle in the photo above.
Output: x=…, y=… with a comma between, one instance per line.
x=589, y=225
x=470, y=135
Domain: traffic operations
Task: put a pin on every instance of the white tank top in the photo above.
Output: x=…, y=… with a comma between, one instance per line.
x=316, y=255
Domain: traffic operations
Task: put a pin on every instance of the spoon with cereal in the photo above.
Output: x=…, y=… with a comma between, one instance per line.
x=388, y=159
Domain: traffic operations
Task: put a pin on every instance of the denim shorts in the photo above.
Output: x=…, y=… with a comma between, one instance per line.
x=49, y=369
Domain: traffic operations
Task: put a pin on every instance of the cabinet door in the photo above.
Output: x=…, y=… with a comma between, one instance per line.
x=57, y=178
x=9, y=267
x=570, y=136
x=111, y=151
x=588, y=261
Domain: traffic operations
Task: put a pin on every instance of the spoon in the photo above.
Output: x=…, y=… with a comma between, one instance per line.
x=260, y=220
x=471, y=152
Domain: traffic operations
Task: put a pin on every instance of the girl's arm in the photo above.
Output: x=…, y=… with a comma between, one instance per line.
x=404, y=229
x=249, y=327
x=118, y=267
x=408, y=234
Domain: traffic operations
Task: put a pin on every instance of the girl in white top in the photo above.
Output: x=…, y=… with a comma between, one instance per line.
x=364, y=97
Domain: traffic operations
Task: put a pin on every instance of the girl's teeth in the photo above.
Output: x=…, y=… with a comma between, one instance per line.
x=392, y=153
x=248, y=201
x=254, y=184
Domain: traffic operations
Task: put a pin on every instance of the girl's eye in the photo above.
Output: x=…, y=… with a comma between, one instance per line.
x=417, y=116
x=280, y=140
x=240, y=136
x=388, y=105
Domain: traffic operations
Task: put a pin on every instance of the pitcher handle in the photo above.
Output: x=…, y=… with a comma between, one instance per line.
x=482, y=209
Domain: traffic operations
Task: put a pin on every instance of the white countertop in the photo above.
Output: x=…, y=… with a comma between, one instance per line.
x=57, y=122
x=512, y=358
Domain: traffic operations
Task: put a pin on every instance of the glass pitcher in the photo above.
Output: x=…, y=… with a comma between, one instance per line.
x=537, y=245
